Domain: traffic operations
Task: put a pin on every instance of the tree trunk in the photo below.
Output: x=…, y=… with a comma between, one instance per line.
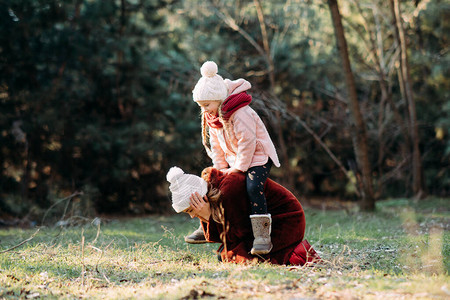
x=375, y=46
x=265, y=38
x=360, y=140
x=417, y=168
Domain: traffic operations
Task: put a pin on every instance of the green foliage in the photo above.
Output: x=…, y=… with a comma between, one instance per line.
x=90, y=86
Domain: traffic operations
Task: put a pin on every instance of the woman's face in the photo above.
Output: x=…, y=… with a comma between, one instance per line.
x=210, y=106
x=199, y=207
x=194, y=214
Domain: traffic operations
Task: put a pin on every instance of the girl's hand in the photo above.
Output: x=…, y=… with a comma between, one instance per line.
x=200, y=207
x=231, y=170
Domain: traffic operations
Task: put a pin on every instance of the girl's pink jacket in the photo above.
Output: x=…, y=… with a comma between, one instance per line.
x=247, y=143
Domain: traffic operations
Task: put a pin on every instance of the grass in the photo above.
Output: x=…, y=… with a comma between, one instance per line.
x=400, y=251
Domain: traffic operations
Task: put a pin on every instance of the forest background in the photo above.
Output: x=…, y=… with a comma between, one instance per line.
x=96, y=101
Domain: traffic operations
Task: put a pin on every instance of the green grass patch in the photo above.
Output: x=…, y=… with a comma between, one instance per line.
x=401, y=250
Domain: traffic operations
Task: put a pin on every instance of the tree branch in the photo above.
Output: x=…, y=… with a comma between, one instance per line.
x=265, y=38
x=23, y=242
x=228, y=19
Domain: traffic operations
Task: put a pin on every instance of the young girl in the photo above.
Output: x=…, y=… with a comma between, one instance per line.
x=238, y=142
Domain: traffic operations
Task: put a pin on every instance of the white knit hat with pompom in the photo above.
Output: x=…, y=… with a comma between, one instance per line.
x=182, y=186
x=211, y=86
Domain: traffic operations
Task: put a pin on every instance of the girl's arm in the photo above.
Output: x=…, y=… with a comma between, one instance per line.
x=231, y=170
x=244, y=127
x=217, y=155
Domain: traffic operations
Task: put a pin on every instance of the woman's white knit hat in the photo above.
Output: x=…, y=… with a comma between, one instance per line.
x=211, y=86
x=182, y=186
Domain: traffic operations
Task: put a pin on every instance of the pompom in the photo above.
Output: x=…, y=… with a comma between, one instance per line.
x=173, y=173
x=209, y=69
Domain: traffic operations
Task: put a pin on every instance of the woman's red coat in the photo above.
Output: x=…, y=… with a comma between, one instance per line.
x=288, y=219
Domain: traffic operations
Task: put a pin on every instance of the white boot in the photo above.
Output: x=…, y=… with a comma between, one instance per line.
x=262, y=227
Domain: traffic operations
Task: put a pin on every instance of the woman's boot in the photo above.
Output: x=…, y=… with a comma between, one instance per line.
x=262, y=227
x=197, y=237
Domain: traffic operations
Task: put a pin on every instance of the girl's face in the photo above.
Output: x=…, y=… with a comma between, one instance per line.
x=210, y=106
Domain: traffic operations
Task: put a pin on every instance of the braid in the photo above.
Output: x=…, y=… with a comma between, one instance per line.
x=205, y=134
x=226, y=124
x=220, y=112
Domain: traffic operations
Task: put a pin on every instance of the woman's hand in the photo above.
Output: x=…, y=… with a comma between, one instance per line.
x=200, y=207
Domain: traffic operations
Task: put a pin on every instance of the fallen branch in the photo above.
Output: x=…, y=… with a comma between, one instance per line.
x=23, y=242
x=59, y=201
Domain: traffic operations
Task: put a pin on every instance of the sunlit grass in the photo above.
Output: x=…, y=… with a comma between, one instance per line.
x=401, y=250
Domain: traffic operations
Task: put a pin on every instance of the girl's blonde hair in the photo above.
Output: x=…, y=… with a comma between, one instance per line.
x=205, y=133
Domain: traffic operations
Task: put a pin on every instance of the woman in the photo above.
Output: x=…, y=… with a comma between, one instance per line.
x=220, y=202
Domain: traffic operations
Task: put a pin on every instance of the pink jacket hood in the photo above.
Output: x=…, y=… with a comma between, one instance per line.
x=237, y=86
